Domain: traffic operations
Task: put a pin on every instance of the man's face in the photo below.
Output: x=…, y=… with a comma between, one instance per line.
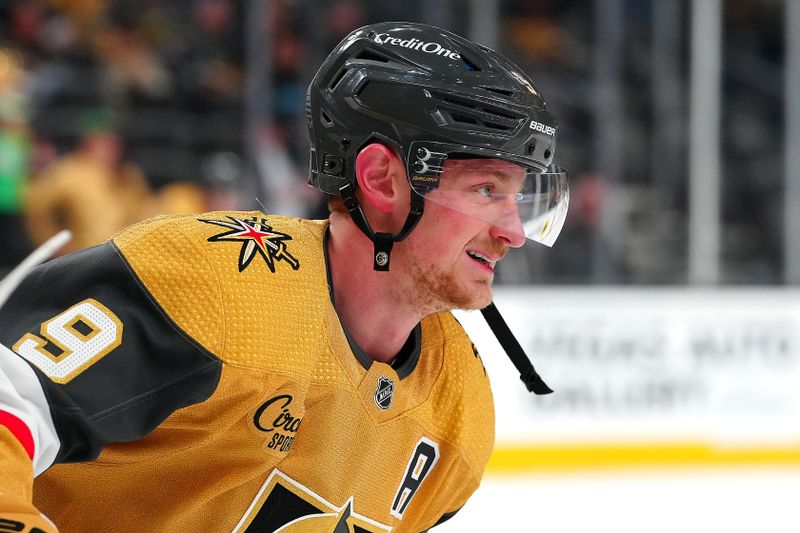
x=464, y=232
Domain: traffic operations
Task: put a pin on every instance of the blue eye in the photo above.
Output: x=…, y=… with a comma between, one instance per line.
x=485, y=191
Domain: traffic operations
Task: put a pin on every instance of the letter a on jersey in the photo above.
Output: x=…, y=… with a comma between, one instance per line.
x=425, y=456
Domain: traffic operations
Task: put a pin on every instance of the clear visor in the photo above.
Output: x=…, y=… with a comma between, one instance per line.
x=489, y=186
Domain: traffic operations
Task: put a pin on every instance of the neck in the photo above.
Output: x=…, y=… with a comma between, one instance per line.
x=367, y=302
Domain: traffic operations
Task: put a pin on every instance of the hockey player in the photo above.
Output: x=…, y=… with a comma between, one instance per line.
x=238, y=371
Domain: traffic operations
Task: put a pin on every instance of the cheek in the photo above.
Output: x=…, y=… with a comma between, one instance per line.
x=445, y=232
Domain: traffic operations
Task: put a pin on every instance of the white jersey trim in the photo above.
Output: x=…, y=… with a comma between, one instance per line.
x=21, y=395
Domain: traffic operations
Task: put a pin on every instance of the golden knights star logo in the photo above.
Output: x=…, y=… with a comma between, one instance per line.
x=257, y=239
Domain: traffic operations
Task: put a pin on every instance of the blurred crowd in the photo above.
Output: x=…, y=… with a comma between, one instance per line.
x=112, y=112
x=116, y=110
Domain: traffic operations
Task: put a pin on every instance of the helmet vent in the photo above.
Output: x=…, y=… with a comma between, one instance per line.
x=371, y=55
x=501, y=114
x=461, y=111
x=463, y=119
x=494, y=126
x=468, y=120
x=327, y=121
x=337, y=79
x=498, y=90
x=457, y=101
x=471, y=66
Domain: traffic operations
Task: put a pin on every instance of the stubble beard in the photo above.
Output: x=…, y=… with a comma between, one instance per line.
x=432, y=289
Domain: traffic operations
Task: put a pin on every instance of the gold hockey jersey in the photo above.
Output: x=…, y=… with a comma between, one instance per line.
x=195, y=371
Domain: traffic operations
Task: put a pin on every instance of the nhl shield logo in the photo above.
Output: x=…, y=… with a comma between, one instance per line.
x=384, y=394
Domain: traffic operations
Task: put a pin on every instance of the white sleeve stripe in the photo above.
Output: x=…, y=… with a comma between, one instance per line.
x=21, y=394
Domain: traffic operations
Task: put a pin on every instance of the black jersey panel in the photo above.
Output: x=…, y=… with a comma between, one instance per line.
x=122, y=396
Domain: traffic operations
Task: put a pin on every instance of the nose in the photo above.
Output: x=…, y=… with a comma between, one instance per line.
x=509, y=229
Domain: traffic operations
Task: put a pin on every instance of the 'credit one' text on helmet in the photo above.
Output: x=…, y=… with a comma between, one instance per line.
x=416, y=44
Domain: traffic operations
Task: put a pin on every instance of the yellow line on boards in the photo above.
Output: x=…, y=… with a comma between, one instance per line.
x=571, y=457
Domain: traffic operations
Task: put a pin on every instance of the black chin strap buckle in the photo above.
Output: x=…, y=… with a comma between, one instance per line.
x=533, y=382
x=383, y=243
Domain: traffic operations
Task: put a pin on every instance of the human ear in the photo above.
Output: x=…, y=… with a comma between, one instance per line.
x=376, y=167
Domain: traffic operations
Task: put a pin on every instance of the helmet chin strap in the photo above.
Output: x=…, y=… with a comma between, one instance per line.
x=533, y=382
x=382, y=242
x=382, y=250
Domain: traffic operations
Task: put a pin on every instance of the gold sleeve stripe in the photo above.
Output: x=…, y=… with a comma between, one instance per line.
x=19, y=430
x=16, y=470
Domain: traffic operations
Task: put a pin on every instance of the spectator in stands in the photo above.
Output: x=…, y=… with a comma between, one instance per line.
x=15, y=144
x=180, y=197
x=93, y=191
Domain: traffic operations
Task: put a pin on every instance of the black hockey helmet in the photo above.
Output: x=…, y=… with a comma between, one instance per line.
x=432, y=95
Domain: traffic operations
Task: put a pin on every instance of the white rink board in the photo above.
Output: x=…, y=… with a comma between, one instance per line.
x=642, y=365
x=750, y=501
x=717, y=367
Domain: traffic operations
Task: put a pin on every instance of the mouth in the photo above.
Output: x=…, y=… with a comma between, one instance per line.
x=487, y=261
